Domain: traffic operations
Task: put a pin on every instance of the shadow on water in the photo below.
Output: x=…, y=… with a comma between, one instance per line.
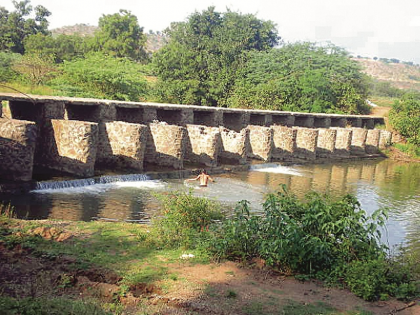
x=376, y=184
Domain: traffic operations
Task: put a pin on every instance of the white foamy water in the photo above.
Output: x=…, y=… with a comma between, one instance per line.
x=276, y=168
x=100, y=188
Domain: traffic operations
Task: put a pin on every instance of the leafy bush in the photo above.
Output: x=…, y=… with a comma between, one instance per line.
x=102, y=76
x=379, y=279
x=405, y=117
x=301, y=77
x=307, y=237
x=184, y=218
x=334, y=240
x=6, y=62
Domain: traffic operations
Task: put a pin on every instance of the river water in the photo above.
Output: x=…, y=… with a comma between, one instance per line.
x=376, y=184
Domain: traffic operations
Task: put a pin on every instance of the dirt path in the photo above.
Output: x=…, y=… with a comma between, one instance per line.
x=226, y=288
x=380, y=111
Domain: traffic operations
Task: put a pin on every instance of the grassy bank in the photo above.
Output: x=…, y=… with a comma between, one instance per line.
x=185, y=262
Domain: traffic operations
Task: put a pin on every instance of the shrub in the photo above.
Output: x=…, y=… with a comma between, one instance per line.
x=334, y=240
x=102, y=76
x=306, y=237
x=405, y=117
x=184, y=218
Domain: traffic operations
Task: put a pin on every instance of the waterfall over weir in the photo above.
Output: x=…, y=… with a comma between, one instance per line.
x=75, y=183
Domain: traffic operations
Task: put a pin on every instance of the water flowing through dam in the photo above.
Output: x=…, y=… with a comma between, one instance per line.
x=376, y=184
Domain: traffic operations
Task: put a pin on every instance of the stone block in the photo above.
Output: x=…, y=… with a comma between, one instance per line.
x=372, y=141
x=326, y=142
x=235, y=146
x=121, y=145
x=306, y=142
x=260, y=142
x=342, y=142
x=385, y=139
x=70, y=146
x=203, y=145
x=17, y=148
x=165, y=145
x=284, y=142
x=358, y=141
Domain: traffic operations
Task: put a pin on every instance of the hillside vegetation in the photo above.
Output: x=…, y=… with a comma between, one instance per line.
x=400, y=75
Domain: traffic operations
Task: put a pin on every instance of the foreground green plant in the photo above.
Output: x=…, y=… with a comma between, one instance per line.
x=186, y=219
x=41, y=306
x=322, y=238
x=411, y=149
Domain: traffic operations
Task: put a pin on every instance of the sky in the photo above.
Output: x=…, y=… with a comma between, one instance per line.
x=369, y=28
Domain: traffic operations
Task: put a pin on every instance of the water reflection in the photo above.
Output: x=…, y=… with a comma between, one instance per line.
x=376, y=184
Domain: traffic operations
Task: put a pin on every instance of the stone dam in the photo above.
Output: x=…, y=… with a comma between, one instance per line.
x=81, y=136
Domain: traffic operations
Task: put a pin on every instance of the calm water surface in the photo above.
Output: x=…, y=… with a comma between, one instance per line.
x=376, y=184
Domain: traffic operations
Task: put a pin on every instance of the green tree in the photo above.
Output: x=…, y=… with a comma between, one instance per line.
x=301, y=77
x=63, y=47
x=200, y=62
x=120, y=35
x=36, y=68
x=405, y=117
x=15, y=27
x=102, y=76
x=7, y=60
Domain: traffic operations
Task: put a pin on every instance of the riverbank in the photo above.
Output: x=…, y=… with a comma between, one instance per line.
x=112, y=267
x=398, y=155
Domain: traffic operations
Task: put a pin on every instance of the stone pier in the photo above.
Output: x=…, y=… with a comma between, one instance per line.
x=343, y=142
x=284, y=142
x=372, y=141
x=306, y=143
x=261, y=142
x=165, y=145
x=385, y=138
x=203, y=145
x=358, y=141
x=17, y=149
x=326, y=142
x=71, y=147
x=121, y=145
x=235, y=146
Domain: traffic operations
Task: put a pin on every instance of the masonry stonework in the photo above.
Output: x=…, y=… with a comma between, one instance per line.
x=372, y=141
x=71, y=147
x=326, y=142
x=284, y=142
x=306, y=141
x=385, y=139
x=343, y=142
x=165, y=145
x=358, y=141
x=17, y=148
x=73, y=133
x=121, y=145
x=261, y=142
x=235, y=146
x=203, y=145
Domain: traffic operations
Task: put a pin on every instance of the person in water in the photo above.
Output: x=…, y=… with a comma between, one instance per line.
x=203, y=177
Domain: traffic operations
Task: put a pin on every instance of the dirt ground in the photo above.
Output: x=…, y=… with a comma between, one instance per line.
x=380, y=111
x=225, y=288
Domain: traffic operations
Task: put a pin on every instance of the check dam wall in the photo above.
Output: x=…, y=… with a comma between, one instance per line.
x=79, y=136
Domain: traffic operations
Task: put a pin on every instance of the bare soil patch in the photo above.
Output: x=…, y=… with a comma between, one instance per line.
x=223, y=288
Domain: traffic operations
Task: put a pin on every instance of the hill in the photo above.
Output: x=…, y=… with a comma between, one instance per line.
x=80, y=29
x=154, y=40
x=401, y=75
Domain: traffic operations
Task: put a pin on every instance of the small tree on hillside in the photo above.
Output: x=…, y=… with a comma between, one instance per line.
x=121, y=36
x=35, y=68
